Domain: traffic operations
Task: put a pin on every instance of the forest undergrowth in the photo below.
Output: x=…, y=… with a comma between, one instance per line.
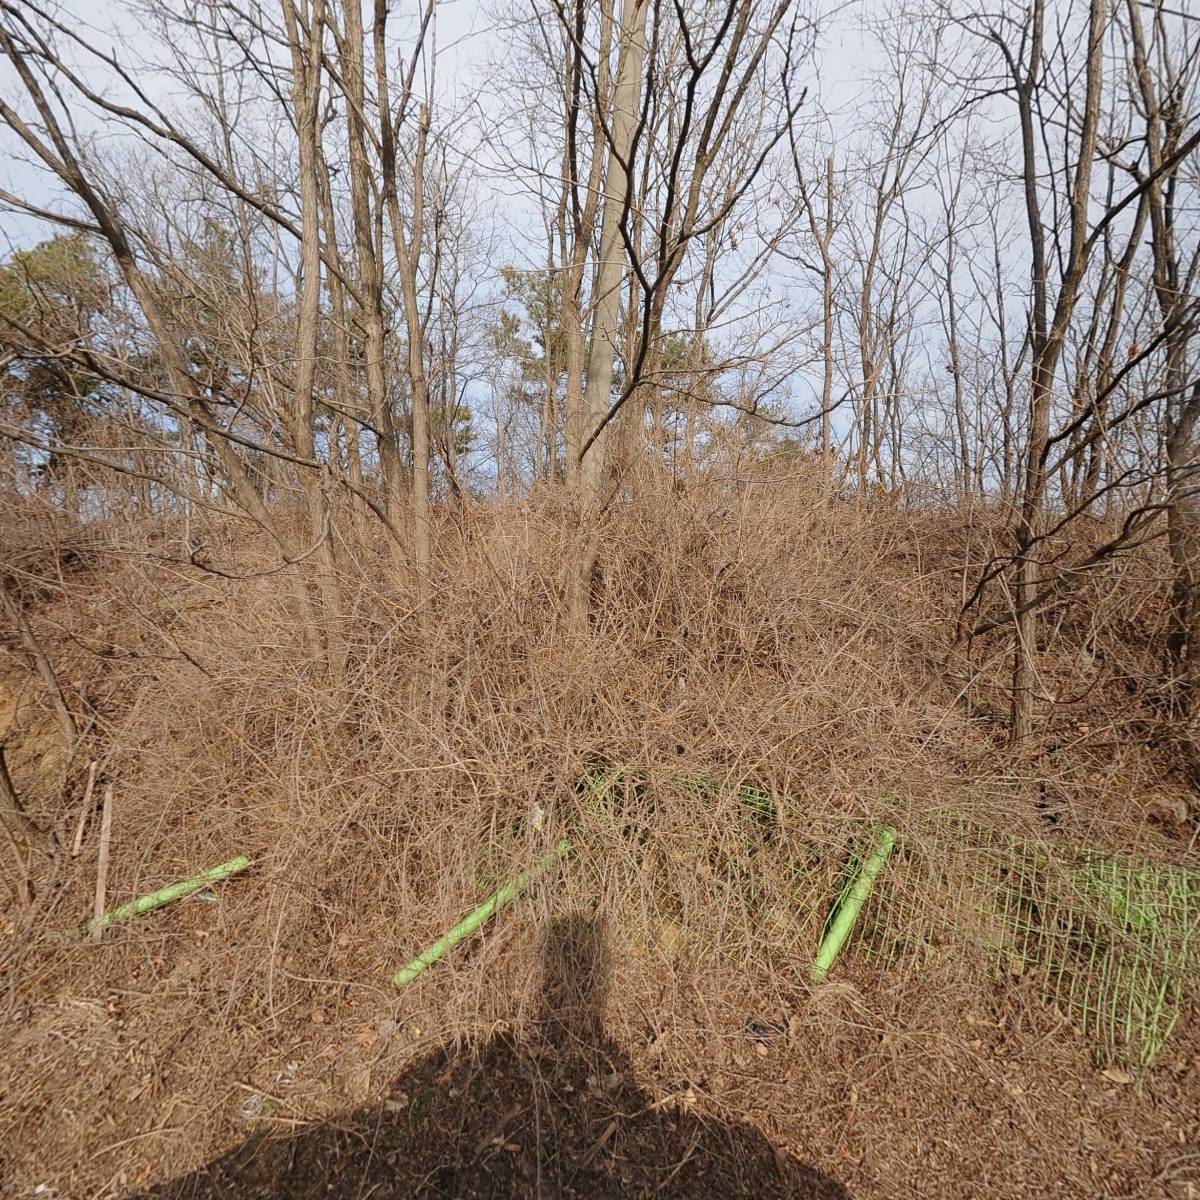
x=767, y=634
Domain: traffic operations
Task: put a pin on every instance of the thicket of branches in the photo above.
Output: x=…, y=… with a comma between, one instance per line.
x=294, y=266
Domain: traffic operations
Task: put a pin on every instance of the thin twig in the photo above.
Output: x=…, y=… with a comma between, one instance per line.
x=87, y=805
x=102, y=868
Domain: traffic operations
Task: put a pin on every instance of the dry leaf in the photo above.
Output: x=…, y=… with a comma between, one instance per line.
x=1116, y=1075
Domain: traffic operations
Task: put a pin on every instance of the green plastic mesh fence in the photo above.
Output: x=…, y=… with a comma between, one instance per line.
x=1112, y=941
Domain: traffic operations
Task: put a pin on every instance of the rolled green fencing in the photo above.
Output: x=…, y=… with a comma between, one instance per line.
x=478, y=916
x=856, y=895
x=173, y=891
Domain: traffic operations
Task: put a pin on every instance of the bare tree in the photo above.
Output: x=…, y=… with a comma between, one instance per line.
x=1166, y=77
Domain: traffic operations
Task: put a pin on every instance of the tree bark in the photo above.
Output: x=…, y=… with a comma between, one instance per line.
x=609, y=273
x=1048, y=337
x=306, y=88
x=34, y=648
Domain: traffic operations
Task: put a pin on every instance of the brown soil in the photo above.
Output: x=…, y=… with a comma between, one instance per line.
x=556, y=1111
x=874, y=1086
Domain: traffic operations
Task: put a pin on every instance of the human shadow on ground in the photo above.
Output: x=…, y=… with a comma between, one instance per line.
x=553, y=1113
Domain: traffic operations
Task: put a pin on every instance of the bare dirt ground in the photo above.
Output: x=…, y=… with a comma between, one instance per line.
x=149, y=1082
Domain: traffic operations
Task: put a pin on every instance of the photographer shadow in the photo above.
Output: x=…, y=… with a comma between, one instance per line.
x=554, y=1112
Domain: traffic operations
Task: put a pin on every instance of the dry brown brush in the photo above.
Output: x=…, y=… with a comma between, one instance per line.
x=766, y=633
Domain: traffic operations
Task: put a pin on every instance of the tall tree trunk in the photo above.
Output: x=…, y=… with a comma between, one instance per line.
x=306, y=87
x=408, y=243
x=824, y=242
x=603, y=348
x=1165, y=127
x=584, y=219
x=1048, y=338
x=368, y=256
x=407, y=253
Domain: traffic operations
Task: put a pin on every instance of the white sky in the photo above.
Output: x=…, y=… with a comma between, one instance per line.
x=468, y=42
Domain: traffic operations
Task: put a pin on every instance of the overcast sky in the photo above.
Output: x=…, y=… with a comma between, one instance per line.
x=468, y=44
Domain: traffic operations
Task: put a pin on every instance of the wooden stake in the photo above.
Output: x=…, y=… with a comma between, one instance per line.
x=102, y=868
x=87, y=805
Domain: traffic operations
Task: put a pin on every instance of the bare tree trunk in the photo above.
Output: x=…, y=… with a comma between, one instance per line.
x=368, y=258
x=584, y=215
x=822, y=234
x=407, y=244
x=23, y=833
x=610, y=269
x=962, y=429
x=546, y=452
x=350, y=418
x=1166, y=124
x=306, y=88
x=824, y=242
x=573, y=394
x=34, y=648
x=1048, y=337
x=406, y=253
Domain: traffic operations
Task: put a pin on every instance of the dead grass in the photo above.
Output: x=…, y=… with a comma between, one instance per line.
x=763, y=632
